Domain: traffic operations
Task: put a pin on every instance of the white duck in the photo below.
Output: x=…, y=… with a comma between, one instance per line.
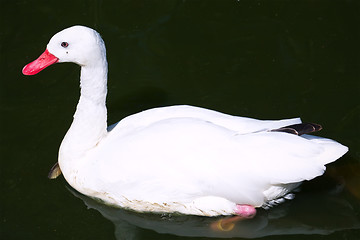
x=181, y=159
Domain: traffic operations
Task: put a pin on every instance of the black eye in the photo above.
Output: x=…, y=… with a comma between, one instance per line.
x=64, y=44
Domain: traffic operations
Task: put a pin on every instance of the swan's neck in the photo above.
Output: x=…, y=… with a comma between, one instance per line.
x=90, y=119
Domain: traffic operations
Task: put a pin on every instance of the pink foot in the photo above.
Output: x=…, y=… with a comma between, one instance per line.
x=246, y=211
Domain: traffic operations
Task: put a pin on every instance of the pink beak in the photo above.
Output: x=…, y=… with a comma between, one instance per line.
x=46, y=59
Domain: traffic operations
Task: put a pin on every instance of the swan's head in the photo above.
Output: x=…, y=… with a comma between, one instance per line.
x=77, y=44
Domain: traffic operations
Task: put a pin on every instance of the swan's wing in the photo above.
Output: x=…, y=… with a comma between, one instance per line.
x=198, y=157
x=239, y=124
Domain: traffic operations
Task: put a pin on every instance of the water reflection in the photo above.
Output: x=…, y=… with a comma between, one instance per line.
x=311, y=212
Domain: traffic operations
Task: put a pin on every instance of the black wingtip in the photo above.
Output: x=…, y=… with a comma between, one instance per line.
x=299, y=129
x=55, y=171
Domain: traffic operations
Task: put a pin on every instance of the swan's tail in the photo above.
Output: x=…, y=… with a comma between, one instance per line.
x=333, y=149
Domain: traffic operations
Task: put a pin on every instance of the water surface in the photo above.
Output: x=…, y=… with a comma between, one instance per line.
x=262, y=59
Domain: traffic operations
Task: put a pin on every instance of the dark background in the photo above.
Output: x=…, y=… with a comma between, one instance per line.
x=262, y=59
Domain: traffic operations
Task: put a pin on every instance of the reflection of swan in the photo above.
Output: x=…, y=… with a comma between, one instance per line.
x=310, y=213
x=181, y=158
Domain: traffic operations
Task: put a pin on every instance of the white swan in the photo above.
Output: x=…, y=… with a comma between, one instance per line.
x=181, y=159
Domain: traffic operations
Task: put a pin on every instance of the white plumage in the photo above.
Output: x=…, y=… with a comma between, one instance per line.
x=175, y=159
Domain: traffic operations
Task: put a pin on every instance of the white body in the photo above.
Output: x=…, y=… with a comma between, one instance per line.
x=181, y=158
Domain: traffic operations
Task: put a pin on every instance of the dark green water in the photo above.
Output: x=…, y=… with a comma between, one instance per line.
x=263, y=59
